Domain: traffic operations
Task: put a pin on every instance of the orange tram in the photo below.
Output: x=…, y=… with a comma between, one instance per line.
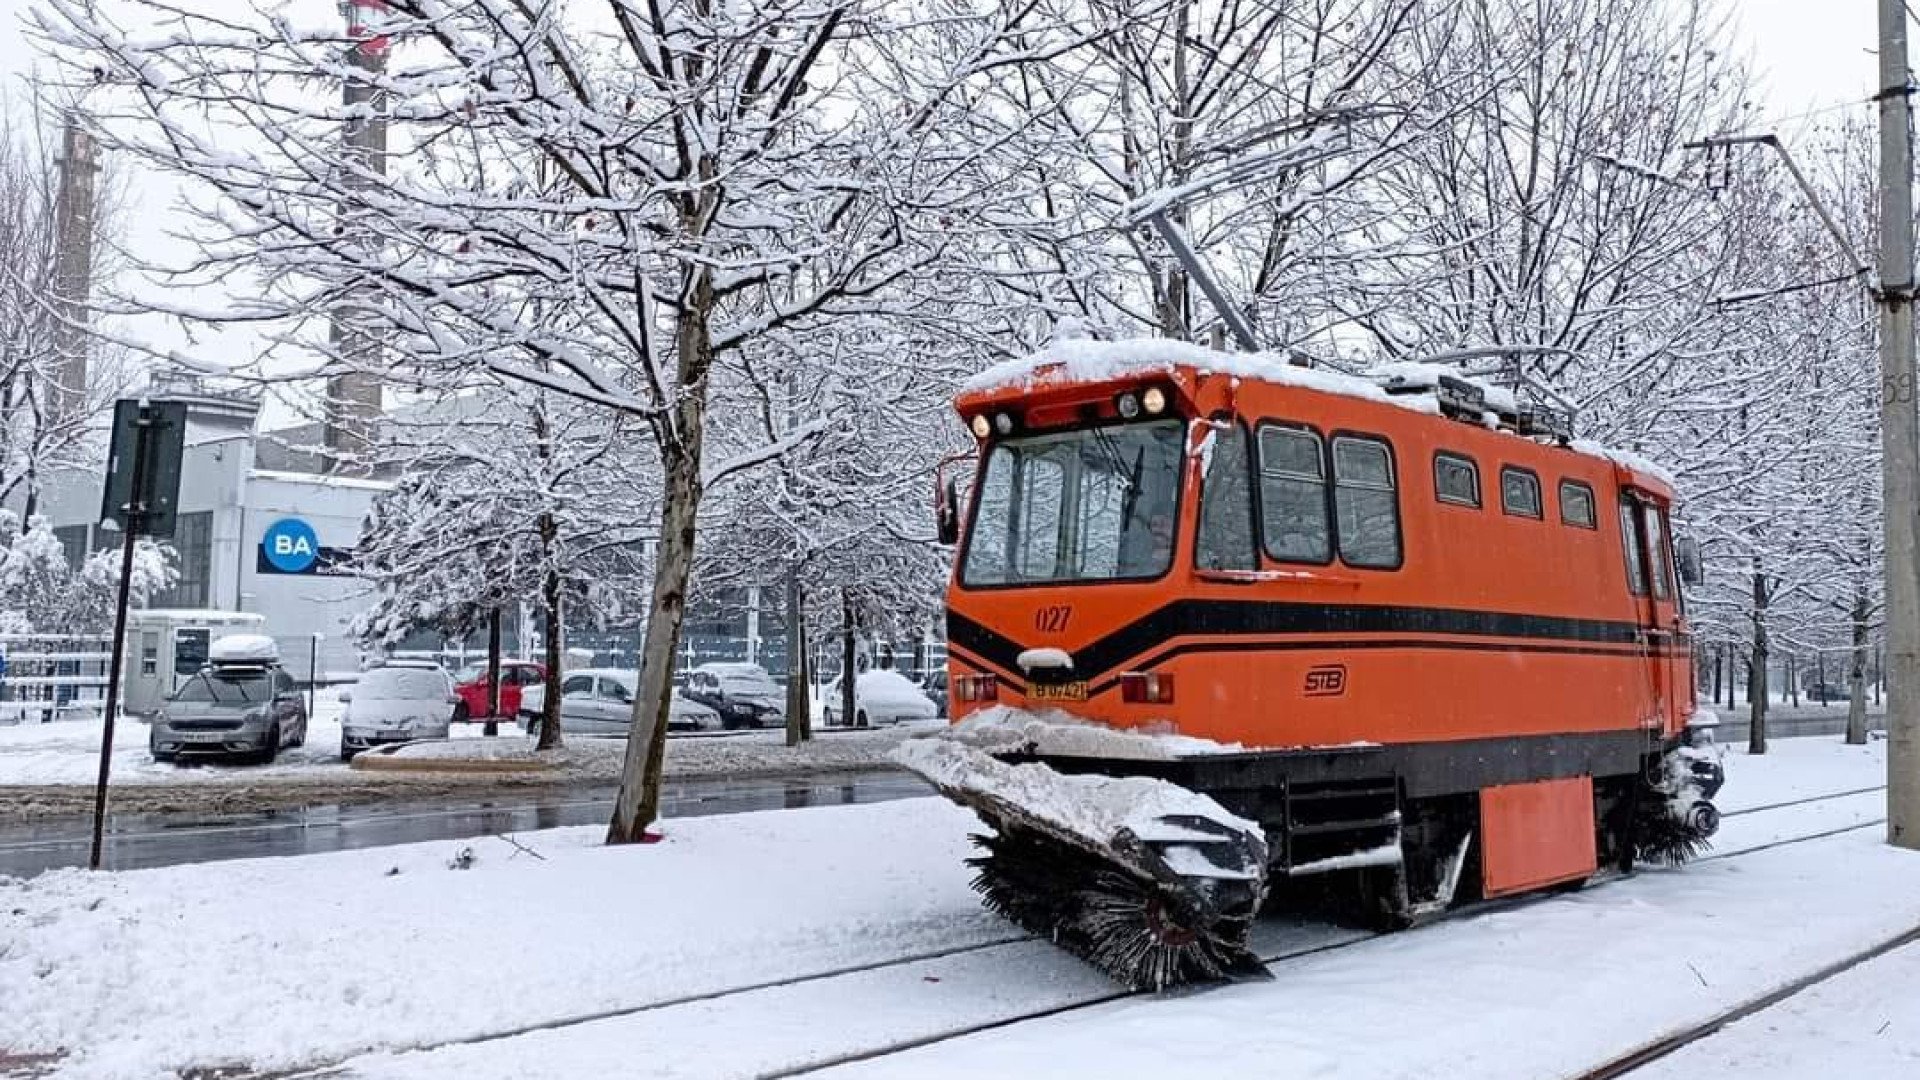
x=1441, y=647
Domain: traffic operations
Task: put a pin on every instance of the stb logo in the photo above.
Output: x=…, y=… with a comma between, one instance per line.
x=1327, y=681
x=290, y=546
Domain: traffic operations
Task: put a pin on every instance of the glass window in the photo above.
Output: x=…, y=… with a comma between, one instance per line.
x=401, y=684
x=1095, y=504
x=193, y=540
x=614, y=690
x=577, y=684
x=1576, y=505
x=1365, y=504
x=1293, y=496
x=1657, y=569
x=1519, y=492
x=1226, y=504
x=190, y=650
x=1636, y=557
x=229, y=688
x=1456, y=480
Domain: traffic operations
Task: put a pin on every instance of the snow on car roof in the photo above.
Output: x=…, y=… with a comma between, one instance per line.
x=244, y=649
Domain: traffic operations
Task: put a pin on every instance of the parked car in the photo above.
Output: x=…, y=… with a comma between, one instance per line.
x=241, y=704
x=599, y=701
x=879, y=697
x=743, y=694
x=515, y=677
x=398, y=701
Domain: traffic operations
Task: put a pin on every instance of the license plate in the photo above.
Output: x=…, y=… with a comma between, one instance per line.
x=204, y=736
x=1073, y=691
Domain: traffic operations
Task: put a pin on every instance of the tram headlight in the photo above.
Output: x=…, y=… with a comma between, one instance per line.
x=981, y=427
x=1155, y=400
x=1003, y=423
x=1128, y=405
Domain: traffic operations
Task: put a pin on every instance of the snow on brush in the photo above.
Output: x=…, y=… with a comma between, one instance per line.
x=1090, y=806
x=1004, y=729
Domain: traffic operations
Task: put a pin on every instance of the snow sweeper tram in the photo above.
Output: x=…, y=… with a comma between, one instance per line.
x=1222, y=630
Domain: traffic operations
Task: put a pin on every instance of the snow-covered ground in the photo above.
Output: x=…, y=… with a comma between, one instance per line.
x=1862, y=1025
x=68, y=752
x=283, y=962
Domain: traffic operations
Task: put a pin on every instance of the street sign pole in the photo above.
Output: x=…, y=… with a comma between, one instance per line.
x=133, y=516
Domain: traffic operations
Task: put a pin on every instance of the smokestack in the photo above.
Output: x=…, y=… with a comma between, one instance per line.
x=73, y=224
x=353, y=397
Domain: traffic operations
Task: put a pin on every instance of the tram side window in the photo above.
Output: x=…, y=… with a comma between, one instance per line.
x=1519, y=492
x=1636, y=556
x=1365, y=503
x=1576, y=504
x=1293, y=496
x=1226, y=504
x=1456, y=480
x=1657, y=553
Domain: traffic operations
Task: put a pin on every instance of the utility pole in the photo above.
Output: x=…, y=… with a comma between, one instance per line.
x=1899, y=418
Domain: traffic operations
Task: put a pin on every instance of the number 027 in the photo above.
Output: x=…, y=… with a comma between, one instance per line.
x=1052, y=620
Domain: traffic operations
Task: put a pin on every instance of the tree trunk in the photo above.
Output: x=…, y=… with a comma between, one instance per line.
x=1757, y=692
x=1793, y=680
x=849, y=703
x=1719, y=663
x=799, y=692
x=1820, y=673
x=638, y=803
x=550, y=705
x=493, y=674
x=1857, y=673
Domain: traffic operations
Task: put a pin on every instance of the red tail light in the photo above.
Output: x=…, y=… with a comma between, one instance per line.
x=1146, y=688
x=977, y=688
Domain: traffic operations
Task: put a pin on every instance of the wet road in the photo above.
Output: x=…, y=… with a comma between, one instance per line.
x=135, y=841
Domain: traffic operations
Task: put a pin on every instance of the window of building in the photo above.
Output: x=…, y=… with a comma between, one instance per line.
x=1519, y=492
x=1636, y=555
x=1365, y=503
x=1226, y=504
x=73, y=544
x=193, y=542
x=1456, y=479
x=1576, y=505
x=1293, y=495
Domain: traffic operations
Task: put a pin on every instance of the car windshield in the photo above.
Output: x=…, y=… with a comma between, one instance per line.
x=393, y=684
x=1096, y=504
x=226, y=688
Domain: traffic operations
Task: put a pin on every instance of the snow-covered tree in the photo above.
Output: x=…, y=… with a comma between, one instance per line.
x=40, y=592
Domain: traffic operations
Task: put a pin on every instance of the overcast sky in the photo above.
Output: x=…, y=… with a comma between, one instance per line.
x=1813, y=58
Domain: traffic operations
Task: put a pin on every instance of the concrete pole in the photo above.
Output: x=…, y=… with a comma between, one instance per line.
x=1900, y=450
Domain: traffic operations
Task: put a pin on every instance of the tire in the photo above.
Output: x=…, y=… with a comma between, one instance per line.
x=860, y=719
x=271, y=751
x=533, y=730
x=346, y=754
x=299, y=740
x=826, y=716
x=460, y=712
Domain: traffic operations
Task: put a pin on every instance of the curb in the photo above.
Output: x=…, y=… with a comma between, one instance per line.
x=385, y=759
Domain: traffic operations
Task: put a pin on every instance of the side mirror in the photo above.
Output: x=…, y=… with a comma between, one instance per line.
x=947, y=510
x=1686, y=555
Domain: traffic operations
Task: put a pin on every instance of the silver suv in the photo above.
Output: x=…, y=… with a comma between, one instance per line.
x=230, y=710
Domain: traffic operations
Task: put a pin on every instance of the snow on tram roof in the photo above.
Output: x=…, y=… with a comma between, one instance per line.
x=1087, y=360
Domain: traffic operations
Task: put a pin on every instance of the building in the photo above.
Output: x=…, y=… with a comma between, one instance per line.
x=249, y=539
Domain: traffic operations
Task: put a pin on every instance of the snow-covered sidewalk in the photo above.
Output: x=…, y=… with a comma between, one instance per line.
x=279, y=963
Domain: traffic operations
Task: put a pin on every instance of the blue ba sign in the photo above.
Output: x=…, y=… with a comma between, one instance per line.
x=290, y=546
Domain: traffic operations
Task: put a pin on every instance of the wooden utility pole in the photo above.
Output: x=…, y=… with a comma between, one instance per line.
x=1900, y=449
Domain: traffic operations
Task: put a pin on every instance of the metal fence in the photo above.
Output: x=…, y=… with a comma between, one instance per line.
x=48, y=677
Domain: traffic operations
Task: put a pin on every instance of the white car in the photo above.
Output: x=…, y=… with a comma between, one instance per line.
x=396, y=702
x=879, y=697
x=599, y=701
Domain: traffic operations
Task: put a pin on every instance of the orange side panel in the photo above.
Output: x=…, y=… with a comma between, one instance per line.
x=1535, y=834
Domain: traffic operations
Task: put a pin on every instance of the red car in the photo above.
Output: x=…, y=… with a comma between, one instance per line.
x=472, y=688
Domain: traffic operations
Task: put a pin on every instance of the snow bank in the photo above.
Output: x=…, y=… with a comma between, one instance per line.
x=1004, y=729
x=1095, y=807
